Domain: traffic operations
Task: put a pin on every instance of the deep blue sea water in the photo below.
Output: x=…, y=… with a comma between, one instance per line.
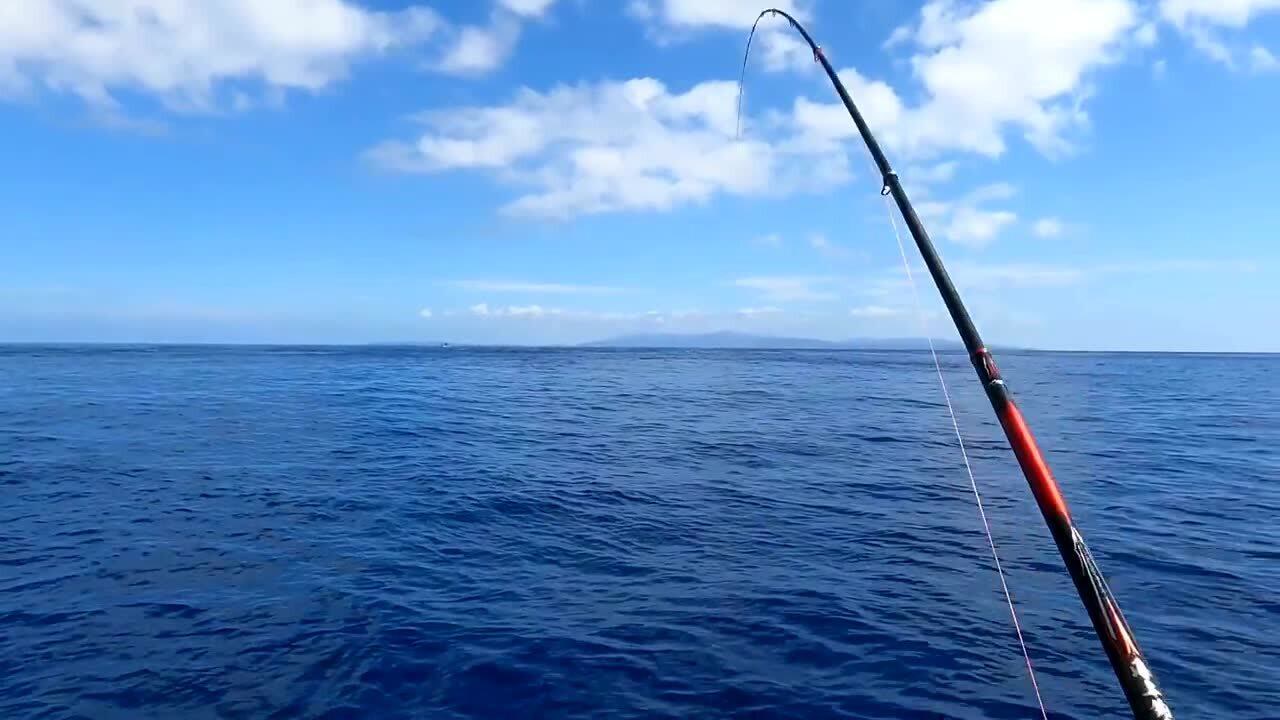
x=236, y=532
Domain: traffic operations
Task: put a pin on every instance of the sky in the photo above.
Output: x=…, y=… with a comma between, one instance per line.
x=1096, y=174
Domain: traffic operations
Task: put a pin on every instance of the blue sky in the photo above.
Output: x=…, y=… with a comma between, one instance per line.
x=1098, y=174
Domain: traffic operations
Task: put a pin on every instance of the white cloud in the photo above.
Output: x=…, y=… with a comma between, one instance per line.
x=931, y=174
x=1175, y=265
x=1014, y=275
x=787, y=288
x=776, y=43
x=731, y=14
x=772, y=240
x=1047, y=227
x=1199, y=20
x=533, y=287
x=1044, y=275
x=528, y=311
x=1262, y=60
x=753, y=312
x=828, y=249
x=514, y=311
x=877, y=102
x=1230, y=13
x=187, y=52
x=540, y=312
x=1208, y=42
x=611, y=146
x=901, y=35
x=1146, y=34
x=966, y=221
x=425, y=312
x=476, y=49
x=975, y=227
x=875, y=311
x=989, y=68
x=528, y=8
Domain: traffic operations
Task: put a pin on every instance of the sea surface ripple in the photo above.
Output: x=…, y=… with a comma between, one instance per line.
x=326, y=532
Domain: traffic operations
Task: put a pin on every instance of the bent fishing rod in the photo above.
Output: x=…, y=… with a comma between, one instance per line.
x=1145, y=699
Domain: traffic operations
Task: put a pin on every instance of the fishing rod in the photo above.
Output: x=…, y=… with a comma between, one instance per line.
x=1145, y=699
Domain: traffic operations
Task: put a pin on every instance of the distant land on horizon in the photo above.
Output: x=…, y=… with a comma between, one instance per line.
x=745, y=341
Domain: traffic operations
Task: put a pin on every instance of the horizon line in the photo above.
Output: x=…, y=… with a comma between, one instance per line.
x=954, y=346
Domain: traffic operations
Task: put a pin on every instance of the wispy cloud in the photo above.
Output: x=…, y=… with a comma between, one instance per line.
x=425, y=312
x=1044, y=275
x=875, y=311
x=787, y=288
x=538, y=312
x=478, y=49
x=1047, y=227
x=752, y=312
x=772, y=240
x=1262, y=59
x=1015, y=275
x=968, y=221
x=533, y=288
x=828, y=249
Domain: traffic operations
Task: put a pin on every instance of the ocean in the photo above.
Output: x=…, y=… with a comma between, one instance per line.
x=399, y=532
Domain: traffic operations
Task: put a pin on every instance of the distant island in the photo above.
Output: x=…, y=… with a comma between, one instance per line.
x=745, y=341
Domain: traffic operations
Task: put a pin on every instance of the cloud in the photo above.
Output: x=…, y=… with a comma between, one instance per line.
x=1146, y=35
x=1157, y=266
x=1047, y=227
x=829, y=249
x=539, y=312
x=1045, y=275
x=613, y=146
x=772, y=240
x=875, y=311
x=477, y=49
x=986, y=69
x=725, y=14
x=1229, y=13
x=528, y=8
x=1200, y=20
x=775, y=43
x=1262, y=60
x=878, y=103
x=193, y=55
x=527, y=311
x=753, y=312
x=787, y=288
x=977, y=228
x=1207, y=42
x=931, y=174
x=1015, y=275
x=533, y=287
x=966, y=221
x=425, y=312
x=513, y=311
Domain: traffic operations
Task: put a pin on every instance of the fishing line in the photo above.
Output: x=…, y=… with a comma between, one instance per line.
x=942, y=383
x=964, y=454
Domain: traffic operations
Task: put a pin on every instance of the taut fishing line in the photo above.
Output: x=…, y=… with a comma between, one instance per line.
x=964, y=454
x=1117, y=639
x=946, y=395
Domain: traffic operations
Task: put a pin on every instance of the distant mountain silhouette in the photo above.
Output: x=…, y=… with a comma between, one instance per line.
x=742, y=341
